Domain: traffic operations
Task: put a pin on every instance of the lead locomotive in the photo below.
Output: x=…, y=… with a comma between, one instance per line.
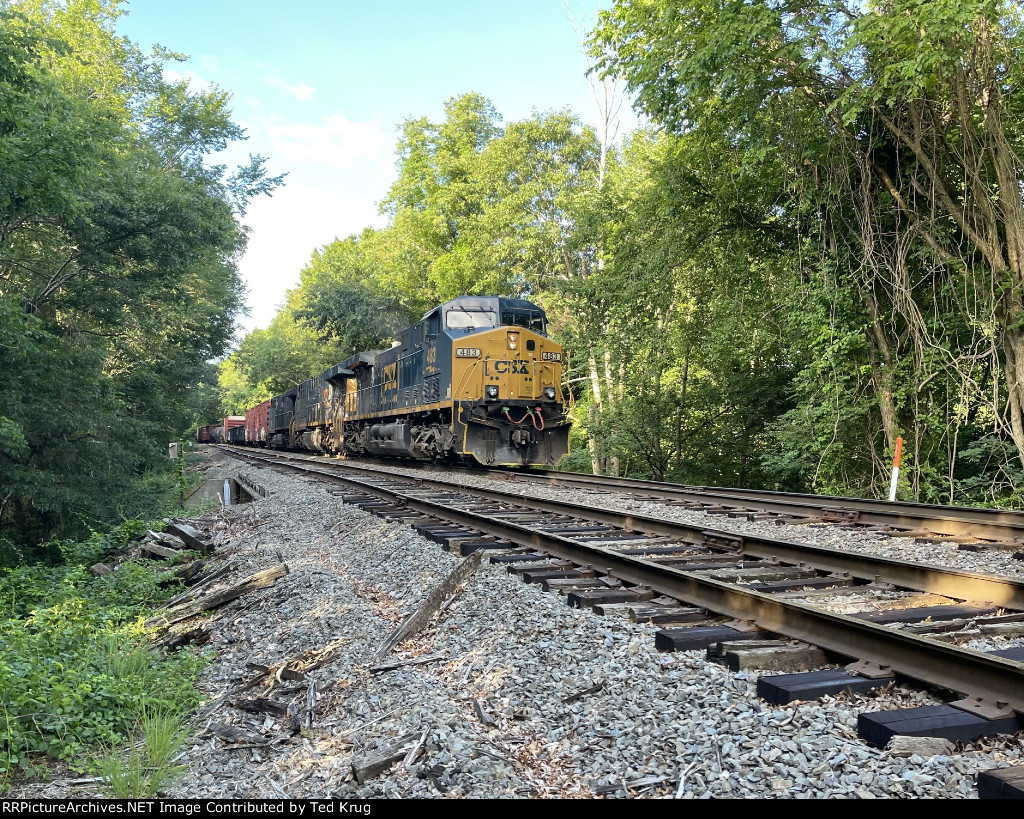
x=476, y=379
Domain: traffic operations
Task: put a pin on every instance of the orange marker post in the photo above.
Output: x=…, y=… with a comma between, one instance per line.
x=895, y=469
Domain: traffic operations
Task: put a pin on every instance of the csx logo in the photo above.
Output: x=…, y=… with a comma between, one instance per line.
x=510, y=367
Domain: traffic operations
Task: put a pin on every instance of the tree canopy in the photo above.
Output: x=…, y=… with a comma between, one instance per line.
x=118, y=243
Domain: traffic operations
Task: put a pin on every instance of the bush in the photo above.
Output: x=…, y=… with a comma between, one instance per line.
x=75, y=665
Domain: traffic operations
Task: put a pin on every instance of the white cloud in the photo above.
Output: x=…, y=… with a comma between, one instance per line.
x=209, y=62
x=285, y=230
x=300, y=91
x=334, y=141
x=195, y=82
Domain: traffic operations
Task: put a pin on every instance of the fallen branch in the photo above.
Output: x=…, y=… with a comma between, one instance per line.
x=291, y=669
x=482, y=715
x=410, y=758
x=432, y=658
x=586, y=691
x=263, y=706
x=200, y=582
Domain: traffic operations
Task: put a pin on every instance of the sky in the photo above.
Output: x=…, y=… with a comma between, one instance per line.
x=320, y=88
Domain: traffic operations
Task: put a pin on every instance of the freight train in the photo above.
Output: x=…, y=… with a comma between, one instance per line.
x=476, y=380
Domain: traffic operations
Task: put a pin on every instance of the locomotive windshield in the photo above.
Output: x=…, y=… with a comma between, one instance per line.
x=530, y=319
x=470, y=318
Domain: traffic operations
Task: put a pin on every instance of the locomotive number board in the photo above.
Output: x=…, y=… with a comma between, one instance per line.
x=467, y=352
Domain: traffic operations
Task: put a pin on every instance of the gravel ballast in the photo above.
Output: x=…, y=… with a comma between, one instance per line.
x=652, y=724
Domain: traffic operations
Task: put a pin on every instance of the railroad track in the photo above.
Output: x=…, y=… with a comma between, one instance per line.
x=959, y=522
x=744, y=598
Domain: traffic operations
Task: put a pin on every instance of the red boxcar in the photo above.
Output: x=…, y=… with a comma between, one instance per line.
x=256, y=424
x=231, y=422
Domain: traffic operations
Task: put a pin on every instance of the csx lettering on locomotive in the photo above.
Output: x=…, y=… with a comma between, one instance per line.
x=508, y=367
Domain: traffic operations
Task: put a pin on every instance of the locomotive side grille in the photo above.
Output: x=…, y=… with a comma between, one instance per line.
x=432, y=389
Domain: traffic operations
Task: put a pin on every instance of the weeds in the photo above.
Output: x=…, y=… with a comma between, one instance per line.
x=150, y=762
x=76, y=671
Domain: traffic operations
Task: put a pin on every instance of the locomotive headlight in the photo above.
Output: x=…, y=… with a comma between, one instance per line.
x=549, y=393
x=513, y=341
x=492, y=391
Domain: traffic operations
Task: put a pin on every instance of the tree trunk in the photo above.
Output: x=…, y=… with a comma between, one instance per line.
x=594, y=441
x=1013, y=349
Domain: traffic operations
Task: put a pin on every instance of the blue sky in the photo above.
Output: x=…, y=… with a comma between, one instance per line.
x=320, y=88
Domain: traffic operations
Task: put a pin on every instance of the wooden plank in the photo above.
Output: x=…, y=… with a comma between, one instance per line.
x=539, y=576
x=809, y=583
x=762, y=574
x=1002, y=783
x=700, y=637
x=519, y=557
x=782, y=658
x=662, y=615
x=156, y=550
x=544, y=565
x=376, y=763
x=193, y=538
x=423, y=615
x=189, y=573
x=216, y=599
x=588, y=598
x=683, y=550
x=914, y=615
x=197, y=636
x=464, y=548
x=565, y=585
x=878, y=727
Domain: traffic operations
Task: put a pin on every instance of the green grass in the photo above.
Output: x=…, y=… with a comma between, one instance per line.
x=148, y=764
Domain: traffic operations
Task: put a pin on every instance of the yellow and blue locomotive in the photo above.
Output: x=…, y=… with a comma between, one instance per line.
x=476, y=379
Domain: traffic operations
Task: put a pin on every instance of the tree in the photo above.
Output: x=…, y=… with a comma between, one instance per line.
x=118, y=242
x=895, y=137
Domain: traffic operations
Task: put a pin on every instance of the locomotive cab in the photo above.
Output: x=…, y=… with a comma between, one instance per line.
x=506, y=382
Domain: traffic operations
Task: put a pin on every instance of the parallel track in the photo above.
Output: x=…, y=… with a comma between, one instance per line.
x=948, y=521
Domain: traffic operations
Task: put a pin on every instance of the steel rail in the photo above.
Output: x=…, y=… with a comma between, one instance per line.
x=970, y=586
x=952, y=521
x=948, y=521
x=971, y=673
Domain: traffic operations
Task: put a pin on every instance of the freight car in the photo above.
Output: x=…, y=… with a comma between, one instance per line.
x=233, y=430
x=256, y=424
x=477, y=379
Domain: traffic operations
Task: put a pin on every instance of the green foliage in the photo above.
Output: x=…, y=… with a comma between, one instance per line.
x=118, y=241
x=75, y=666
x=476, y=209
x=859, y=155
x=140, y=772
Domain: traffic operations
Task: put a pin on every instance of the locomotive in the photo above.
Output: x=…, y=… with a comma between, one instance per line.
x=476, y=379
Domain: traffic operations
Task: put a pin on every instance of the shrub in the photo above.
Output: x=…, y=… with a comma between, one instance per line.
x=75, y=665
